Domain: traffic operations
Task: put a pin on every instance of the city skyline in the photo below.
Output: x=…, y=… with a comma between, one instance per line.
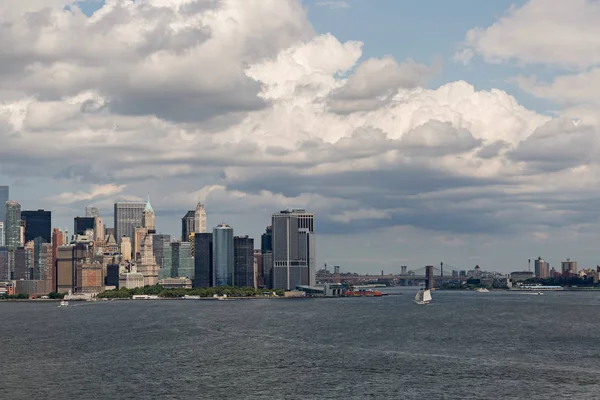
x=417, y=131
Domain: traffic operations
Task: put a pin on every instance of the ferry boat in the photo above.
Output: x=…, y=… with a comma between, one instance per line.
x=363, y=293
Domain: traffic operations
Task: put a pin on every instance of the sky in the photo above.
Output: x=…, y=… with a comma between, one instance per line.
x=417, y=132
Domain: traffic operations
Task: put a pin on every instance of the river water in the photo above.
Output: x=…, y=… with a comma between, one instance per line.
x=465, y=345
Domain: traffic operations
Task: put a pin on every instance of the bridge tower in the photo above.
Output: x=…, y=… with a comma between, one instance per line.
x=429, y=278
x=442, y=269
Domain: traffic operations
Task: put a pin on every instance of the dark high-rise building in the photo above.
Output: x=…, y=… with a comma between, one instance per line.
x=3, y=199
x=188, y=225
x=243, y=265
x=23, y=264
x=4, y=264
x=37, y=224
x=258, y=265
x=203, y=260
x=266, y=248
x=12, y=228
x=127, y=217
x=112, y=275
x=294, y=261
x=223, y=255
x=82, y=224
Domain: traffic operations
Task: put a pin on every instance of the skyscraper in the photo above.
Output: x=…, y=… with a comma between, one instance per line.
x=223, y=255
x=37, y=224
x=243, y=267
x=148, y=218
x=2, y=238
x=3, y=199
x=188, y=225
x=128, y=216
x=266, y=248
x=12, y=229
x=183, y=262
x=4, y=264
x=203, y=260
x=294, y=261
x=161, y=245
x=542, y=268
x=200, y=219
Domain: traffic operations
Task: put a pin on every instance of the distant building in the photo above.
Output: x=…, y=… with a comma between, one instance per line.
x=203, y=260
x=128, y=216
x=31, y=287
x=83, y=224
x=569, y=267
x=518, y=276
x=37, y=224
x=125, y=247
x=131, y=280
x=2, y=238
x=223, y=255
x=69, y=256
x=183, y=262
x=542, y=268
x=266, y=248
x=4, y=197
x=188, y=225
x=176, y=283
x=258, y=269
x=90, y=277
x=4, y=264
x=243, y=267
x=12, y=228
x=23, y=263
x=199, y=219
x=294, y=257
x=163, y=255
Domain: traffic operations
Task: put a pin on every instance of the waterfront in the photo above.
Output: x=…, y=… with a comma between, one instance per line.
x=464, y=345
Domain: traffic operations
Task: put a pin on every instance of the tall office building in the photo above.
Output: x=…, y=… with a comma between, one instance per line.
x=200, y=219
x=258, y=269
x=37, y=224
x=223, y=255
x=149, y=218
x=2, y=238
x=4, y=264
x=12, y=229
x=542, y=268
x=243, y=265
x=266, y=248
x=23, y=263
x=203, y=260
x=294, y=261
x=161, y=245
x=183, y=261
x=92, y=212
x=568, y=266
x=188, y=225
x=69, y=257
x=128, y=216
x=3, y=199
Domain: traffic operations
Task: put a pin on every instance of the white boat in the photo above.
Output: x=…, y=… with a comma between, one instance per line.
x=482, y=290
x=423, y=296
x=63, y=303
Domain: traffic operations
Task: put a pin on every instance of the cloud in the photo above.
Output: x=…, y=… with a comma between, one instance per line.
x=94, y=192
x=241, y=105
x=334, y=4
x=565, y=34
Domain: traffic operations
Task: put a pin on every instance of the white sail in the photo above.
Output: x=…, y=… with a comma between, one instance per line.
x=419, y=296
x=427, y=295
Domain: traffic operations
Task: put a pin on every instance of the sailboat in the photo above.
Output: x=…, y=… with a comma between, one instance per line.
x=423, y=296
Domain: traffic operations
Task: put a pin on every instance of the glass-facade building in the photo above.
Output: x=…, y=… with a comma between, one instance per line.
x=243, y=267
x=203, y=260
x=163, y=254
x=12, y=228
x=3, y=199
x=37, y=224
x=183, y=261
x=82, y=224
x=223, y=255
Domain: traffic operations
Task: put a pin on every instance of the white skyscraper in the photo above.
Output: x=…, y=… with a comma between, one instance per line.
x=200, y=219
x=1, y=233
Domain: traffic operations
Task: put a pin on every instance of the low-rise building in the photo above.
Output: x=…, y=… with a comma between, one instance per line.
x=131, y=280
x=176, y=283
